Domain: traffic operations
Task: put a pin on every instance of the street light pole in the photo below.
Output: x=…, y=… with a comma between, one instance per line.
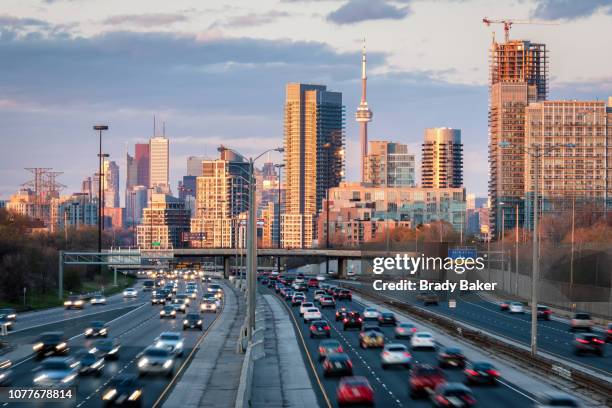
x=100, y=129
x=280, y=173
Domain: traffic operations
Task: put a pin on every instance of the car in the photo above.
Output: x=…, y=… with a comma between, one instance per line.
x=330, y=290
x=304, y=306
x=504, y=305
x=453, y=394
x=6, y=374
x=264, y=281
x=172, y=341
x=336, y=292
x=544, y=312
x=424, y=377
x=288, y=294
x=451, y=357
x=98, y=300
x=312, y=313
x=395, y=354
x=10, y=314
x=5, y=321
x=404, y=330
x=481, y=372
x=337, y=364
x=49, y=344
x=354, y=390
x=371, y=336
x=327, y=301
x=318, y=294
x=430, y=299
x=278, y=286
x=345, y=294
x=107, y=348
x=352, y=320
x=313, y=283
x=609, y=333
x=183, y=297
x=589, y=343
x=422, y=340
x=192, y=321
x=341, y=313
x=166, y=293
x=369, y=313
x=57, y=372
x=91, y=363
x=179, y=305
x=556, y=400
x=516, y=307
x=301, y=287
x=387, y=319
x=320, y=328
x=158, y=299
x=130, y=293
x=123, y=389
x=321, y=278
x=193, y=294
x=297, y=300
x=167, y=311
x=216, y=289
x=97, y=328
x=74, y=302
x=208, y=306
x=581, y=321
x=148, y=285
x=327, y=347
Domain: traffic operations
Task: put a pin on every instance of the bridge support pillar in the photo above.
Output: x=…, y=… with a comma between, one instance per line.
x=226, y=267
x=342, y=266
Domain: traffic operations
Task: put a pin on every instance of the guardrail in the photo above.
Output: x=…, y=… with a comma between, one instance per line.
x=592, y=384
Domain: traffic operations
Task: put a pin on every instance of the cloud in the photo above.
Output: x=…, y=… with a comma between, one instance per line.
x=569, y=9
x=356, y=11
x=11, y=22
x=145, y=20
x=254, y=19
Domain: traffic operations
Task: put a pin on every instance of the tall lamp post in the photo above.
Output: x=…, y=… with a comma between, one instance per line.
x=100, y=128
x=536, y=151
x=278, y=243
x=251, y=238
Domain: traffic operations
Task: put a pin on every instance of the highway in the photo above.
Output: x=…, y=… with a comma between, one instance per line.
x=391, y=385
x=135, y=323
x=554, y=336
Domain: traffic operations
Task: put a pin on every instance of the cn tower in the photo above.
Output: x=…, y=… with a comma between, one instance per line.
x=363, y=115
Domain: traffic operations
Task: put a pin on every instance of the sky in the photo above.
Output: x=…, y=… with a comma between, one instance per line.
x=215, y=72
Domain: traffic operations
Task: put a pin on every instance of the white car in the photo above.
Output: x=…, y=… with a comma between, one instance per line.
x=312, y=313
x=156, y=360
x=172, y=341
x=130, y=293
x=516, y=307
x=321, y=278
x=98, y=300
x=209, y=306
x=304, y=306
x=422, y=340
x=369, y=313
x=557, y=400
x=298, y=280
x=318, y=293
x=395, y=354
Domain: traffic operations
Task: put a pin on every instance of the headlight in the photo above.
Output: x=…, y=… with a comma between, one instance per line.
x=162, y=313
x=88, y=331
x=37, y=346
x=185, y=321
x=68, y=379
x=179, y=344
x=143, y=362
x=96, y=364
x=61, y=346
x=135, y=395
x=12, y=316
x=67, y=303
x=113, y=351
x=167, y=363
x=199, y=322
x=109, y=394
x=103, y=331
x=173, y=312
x=78, y=302
x=2, y=376
x=40, y=378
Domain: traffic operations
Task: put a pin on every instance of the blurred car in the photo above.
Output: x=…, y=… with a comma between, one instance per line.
x=98, y=300
x=123, y=389
x=544, y=312
x=431, y=299
x=297, y=300
x=516, y=307
x=313, y=283
x=6, y=374
x=158, y=299
x=337, y=364
x=354, y=390
x=395, y=354
x=330, y=290
x=56, y=372
x=386, y=319
x=91, y=364
x=504, y=305
x=183, y=297
x=589, y=343
x=404, y=330
x=107, y=348
x=327, y=347
x=130, y=293
x=148, y=285
x=10, y=314
x=156, y=360
x=336, y=291
x=424, y=378
x=209, y=305
x=167, y=311
x=422, y=340
x=301, y=286
x=327, y=301
x=369, y=313
x=321, y=278
x=172, y=341
x=453, y=394
x=320, y=328
x=264, y=281
x=371, y=336
x=451, y=357
x=5, y=321
x=97, y=328
x=192, y=294
x=556, y=400
x=318, y=293
x=74, y=302
x=50, y=343
x=481, y=372
x=192, y=321
x=288, y=294
x=312, y=313
x=609, y=333
x=304, y=306
x=345, y=294
x=341, y=313
x=216, y=289
x=581, y=321
x=179, y=305
x=352, y=320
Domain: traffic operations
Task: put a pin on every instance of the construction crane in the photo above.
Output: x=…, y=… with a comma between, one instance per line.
x=509, y=23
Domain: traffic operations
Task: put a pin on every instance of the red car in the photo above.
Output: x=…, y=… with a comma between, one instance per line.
x=354, y=390
x=609, y=333
x=313, y=283
x=423, y=378
x=345, y=294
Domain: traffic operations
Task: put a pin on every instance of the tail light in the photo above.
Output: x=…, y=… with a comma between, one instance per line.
x=345, y=320
x=321, y=350
x=598, y=341
x=360, y=319
x=313, y=327
x=471, y=372
x=385, y=353
x=583, y=341
x=340, y=349
x=444, y=355
x=414, y=329
x=441, y=400
x=406, y=354
x=326, y=328
x=493, y=373
x=349, y=363
x=469, y=399
x=548, y=311
x=609, y=331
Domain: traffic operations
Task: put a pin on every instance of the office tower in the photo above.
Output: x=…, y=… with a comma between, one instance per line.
x=159, y=164
x=471, y=201
x=131, y=172
x=194, y=165
x=163, y=224
x=442, y=161
x=110, y=184
x=575, y=177
x=136, y=201
x=86, y=186
x=363, y=116
x=389, y=164
x=142, y=158
x=314, y=157
x=518, y=75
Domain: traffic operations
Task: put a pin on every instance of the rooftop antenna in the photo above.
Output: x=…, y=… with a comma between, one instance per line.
x=164, y=128
x=154, y=126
